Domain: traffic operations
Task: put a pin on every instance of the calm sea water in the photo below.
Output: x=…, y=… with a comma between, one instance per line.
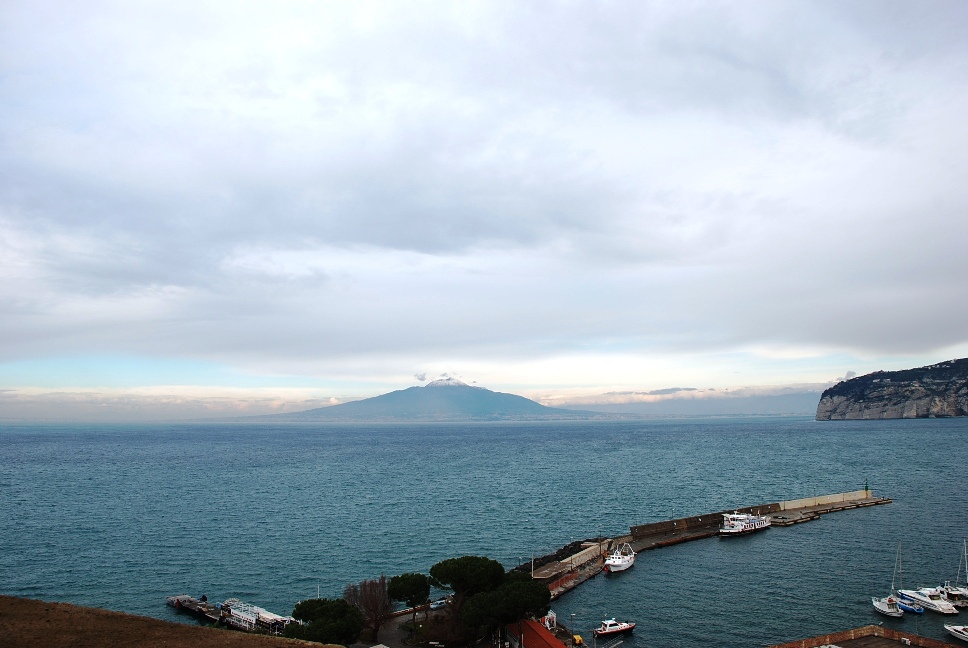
x=119, y=517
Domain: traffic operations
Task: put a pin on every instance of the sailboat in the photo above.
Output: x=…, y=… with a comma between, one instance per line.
x=890, y=604
x=905, y=603
x=957, y=593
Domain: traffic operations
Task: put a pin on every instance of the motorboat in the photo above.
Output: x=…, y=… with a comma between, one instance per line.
x=620, y=559
x=887, y=605
x=909, y=606
x=929, y=598
x=611, y=627
x=904, y=604
x=739, y=523
x=957, y=593
x=957, y=631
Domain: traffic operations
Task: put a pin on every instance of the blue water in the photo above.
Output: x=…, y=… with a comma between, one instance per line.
x=119, y=517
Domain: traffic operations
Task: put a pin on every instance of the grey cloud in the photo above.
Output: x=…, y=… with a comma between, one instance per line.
x=673, y=178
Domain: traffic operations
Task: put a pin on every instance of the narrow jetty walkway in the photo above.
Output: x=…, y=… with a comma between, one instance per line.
x=564, y=574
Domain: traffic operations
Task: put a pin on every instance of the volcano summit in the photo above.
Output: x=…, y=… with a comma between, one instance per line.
x=447, y=399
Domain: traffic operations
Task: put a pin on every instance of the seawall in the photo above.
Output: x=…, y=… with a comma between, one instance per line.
x=570, y=566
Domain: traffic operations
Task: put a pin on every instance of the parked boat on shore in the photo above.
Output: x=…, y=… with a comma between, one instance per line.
x=740, y=523
x=611, y=627
x=620, y=559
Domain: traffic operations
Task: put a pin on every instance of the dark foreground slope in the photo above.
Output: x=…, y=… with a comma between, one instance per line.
x=441, y=400
x=25, y=623
x=934, y=391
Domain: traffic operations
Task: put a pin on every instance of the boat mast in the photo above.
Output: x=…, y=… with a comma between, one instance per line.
x=964, y=560
x=897, y=557
x=900, y=567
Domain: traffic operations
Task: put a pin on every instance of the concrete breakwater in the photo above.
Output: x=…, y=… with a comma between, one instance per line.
x=575, y=563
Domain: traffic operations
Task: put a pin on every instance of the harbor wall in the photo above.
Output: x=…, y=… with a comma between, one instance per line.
x=713, y=520
x=586, y=555
x=825, y=499
x=696, y=522
x=903, y=638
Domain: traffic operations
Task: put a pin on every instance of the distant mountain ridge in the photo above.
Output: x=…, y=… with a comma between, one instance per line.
x=938, y=390
x=447, y=399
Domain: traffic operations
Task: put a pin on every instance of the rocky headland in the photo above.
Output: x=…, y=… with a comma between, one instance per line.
x=935, y=391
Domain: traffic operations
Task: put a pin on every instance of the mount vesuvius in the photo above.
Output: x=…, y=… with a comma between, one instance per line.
x=441, y=400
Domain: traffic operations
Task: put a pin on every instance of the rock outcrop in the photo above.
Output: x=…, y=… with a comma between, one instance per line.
x=938, y=390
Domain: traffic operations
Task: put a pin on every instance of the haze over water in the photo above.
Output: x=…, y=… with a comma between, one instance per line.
x=121, y=516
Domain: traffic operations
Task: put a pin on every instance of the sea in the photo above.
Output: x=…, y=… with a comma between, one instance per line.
x=121, y=516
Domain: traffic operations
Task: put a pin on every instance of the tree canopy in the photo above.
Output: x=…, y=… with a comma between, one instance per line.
x=467, y=575
x=411, y=589
x=517, y=597
x=327, y=621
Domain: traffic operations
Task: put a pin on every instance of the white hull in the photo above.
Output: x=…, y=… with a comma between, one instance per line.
x=957, y=596
x=957, y=631
x=742, y=523
x=618, y=566
x=620, y=559
x=611, y=627
x=887, y=606
x=930, y=599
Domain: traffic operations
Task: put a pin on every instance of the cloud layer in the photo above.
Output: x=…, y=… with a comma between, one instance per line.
x=543, y=195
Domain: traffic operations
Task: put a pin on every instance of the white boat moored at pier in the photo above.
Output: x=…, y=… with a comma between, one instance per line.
x=620, y=559
x=740, y=523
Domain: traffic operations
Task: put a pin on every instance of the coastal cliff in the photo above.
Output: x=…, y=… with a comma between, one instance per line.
x=939, y=390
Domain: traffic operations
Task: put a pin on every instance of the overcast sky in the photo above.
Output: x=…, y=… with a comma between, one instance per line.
x=263, y=204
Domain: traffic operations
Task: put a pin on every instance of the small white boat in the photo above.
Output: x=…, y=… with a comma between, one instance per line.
x=620, y=559
x=958, y=631
x=739, y=523
x=612, y=627
x=887, y=605
x=929, y=598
